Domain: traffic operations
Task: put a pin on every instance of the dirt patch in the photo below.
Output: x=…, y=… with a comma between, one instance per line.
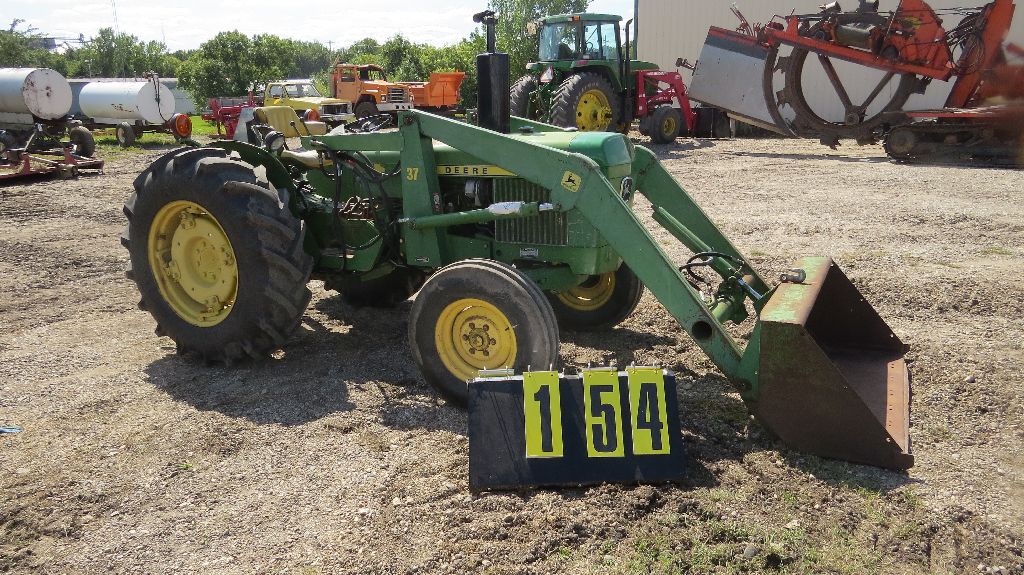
x=337, y=458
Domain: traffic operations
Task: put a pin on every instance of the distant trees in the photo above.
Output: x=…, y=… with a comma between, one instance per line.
x=108, y=54
x=232, y=63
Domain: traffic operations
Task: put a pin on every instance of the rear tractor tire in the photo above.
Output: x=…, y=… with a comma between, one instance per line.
x=586, y=102
x=480, y=314
x=217, y=255
x=665, y=125
x=519, y=97
x=601, y=302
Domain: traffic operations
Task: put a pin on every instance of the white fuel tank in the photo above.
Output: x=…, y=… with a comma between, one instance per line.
x=42, y=92
x=127, y=101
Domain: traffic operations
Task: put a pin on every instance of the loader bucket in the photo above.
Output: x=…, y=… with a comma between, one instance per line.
x=832, y=380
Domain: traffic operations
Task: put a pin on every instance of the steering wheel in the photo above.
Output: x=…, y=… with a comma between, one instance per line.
x=370, y=123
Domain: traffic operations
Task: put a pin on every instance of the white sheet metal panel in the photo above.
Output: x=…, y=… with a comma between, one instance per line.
x=670, y=29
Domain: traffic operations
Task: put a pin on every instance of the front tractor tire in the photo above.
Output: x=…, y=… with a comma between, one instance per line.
x=217, y=255
x=586, y=102
x=520, y=95
x=475, y=315
x=601, y=302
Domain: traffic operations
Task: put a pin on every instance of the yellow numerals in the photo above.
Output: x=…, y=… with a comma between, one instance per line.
x=542, y=406
x=648, y=411
x=601, y=404
x=412, y=174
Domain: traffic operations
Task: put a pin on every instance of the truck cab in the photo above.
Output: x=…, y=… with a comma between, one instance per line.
x=368, y=87
x=304, y=98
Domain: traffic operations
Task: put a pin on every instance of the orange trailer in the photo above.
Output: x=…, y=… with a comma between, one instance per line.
x=441, y=91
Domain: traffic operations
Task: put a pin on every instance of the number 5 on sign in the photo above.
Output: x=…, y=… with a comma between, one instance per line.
x=542, y=407
x=648, y=411
x=602, y=405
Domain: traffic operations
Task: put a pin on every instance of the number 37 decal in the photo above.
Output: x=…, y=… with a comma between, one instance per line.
x=604, y=413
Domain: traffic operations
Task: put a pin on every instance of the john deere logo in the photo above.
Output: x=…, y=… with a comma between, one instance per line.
x=571, y=181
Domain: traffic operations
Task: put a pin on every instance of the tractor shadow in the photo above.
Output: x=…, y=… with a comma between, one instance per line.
x=314, y=376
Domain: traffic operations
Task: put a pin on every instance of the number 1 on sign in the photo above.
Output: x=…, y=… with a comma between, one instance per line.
x=542, y=408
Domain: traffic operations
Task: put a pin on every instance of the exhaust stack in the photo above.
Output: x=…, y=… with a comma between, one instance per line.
x=492, y=70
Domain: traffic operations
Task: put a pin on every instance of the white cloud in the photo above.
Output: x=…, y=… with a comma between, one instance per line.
x=188, y=23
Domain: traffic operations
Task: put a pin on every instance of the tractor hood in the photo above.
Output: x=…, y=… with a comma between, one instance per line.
x=613, y=152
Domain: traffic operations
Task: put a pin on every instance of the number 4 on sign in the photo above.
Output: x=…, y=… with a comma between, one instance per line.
x=647, y=404
x=542, y=406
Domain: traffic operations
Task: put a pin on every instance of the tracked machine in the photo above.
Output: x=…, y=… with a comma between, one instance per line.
x=509, y=231
x=980, y=122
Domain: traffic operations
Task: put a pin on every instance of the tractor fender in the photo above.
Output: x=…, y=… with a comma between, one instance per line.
x=277, y=173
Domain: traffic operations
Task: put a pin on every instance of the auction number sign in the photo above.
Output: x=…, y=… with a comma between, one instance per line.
x=545, y=428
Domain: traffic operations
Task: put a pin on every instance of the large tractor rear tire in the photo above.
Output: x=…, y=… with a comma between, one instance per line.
x=217, y=255
x=601, y=302
x=586, y=102
x=480, y=314
x=519, y=97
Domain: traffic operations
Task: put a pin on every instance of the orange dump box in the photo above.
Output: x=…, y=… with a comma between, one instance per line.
x=441, y=91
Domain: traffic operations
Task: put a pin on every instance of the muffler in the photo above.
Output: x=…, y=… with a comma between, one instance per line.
x=832, y=380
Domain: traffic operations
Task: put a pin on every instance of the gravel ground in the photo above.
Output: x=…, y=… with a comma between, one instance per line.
x=336, y=457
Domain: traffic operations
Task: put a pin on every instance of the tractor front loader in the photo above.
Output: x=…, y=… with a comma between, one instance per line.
x=507, y=237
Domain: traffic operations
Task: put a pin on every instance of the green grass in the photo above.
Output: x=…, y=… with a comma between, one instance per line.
x=996, y=251
x=201, y=127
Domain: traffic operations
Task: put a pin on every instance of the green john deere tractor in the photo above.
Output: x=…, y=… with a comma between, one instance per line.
x=581, y=76
x=508, y=238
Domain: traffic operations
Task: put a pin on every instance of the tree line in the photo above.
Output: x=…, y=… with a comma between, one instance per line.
x=233, y=63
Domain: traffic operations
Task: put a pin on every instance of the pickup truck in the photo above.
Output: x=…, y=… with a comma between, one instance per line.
x=306, y=100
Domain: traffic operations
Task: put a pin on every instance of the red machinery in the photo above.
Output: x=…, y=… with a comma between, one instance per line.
x=17, y=163
x=909, y=45
x=225, y=112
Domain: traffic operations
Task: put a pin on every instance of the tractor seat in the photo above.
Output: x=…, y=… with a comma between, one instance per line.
x=307, y=158
x=280, y=118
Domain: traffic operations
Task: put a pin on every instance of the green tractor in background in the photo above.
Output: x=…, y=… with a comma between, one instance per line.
x=584, y=79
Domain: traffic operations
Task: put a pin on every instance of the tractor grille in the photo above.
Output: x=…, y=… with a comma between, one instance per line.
x=546, y=228
x=396, y=95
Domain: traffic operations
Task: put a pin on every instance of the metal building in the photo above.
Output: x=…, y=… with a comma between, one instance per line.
x=671, y=29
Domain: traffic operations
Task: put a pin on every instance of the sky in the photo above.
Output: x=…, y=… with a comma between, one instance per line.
x=183, y=24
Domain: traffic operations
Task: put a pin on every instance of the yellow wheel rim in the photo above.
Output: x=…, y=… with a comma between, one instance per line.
x=668, y=125
x=591, y=294
x=472, y=335
x=193, y=263
x=593, y=113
